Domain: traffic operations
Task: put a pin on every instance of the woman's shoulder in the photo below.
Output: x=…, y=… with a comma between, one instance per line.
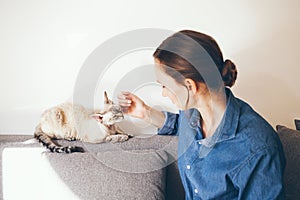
x=255, y=128
x=250, y=118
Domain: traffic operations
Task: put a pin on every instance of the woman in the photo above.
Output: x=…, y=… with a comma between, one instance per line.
x=225, y=149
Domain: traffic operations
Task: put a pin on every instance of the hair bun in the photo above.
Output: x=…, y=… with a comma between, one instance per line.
x=229, y=73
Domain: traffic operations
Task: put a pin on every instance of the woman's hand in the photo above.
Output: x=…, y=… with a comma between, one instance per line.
x=132, y=105
x=135, y=107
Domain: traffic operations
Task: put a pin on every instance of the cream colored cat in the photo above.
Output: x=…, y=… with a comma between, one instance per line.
x=74, y=122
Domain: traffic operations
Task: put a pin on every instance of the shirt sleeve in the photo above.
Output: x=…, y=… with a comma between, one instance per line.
x=261, y=176
x=170, y=125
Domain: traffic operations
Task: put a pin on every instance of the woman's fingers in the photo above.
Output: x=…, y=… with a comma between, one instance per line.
x=131, y=104
x=124, y=95
x=125, y=101
x=125, y=98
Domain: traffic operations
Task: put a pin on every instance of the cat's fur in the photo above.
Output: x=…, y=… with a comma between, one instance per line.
x=74, y=122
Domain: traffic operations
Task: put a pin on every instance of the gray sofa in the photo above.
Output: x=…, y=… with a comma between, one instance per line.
x=141, y=168
x=290, y=139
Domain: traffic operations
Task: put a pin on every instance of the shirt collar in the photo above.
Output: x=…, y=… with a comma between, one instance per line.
x=228, y=126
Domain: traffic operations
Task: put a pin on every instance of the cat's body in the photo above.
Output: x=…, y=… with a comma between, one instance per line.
x=74, y=122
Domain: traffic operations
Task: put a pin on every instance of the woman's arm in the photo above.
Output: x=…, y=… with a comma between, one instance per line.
x=154, y=117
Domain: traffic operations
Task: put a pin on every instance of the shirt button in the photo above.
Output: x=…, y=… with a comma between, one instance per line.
x=196, y=191
x=188, y=167
x=199, y=142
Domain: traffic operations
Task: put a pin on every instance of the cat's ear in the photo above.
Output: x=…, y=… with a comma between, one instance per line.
x=106, y=100
x=98, y=117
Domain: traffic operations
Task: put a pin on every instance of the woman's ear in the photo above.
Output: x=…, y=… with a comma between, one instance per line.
x=191, y=85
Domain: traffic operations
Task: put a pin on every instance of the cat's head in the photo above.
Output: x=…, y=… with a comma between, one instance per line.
x=110, y=114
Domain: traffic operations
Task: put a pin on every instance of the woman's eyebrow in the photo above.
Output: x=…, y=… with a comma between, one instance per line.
x=158, y=81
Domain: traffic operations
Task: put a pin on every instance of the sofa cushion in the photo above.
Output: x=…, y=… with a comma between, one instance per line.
x=297, y=124
x=291, y=144
x=113, y=175
x=140, y=168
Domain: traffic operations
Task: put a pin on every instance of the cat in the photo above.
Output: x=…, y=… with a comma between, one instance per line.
x=75, y=122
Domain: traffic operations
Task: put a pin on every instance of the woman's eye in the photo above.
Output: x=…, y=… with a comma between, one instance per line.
x=163, y=86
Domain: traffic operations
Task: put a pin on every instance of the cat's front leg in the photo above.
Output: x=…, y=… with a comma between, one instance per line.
x=120, y=131
x=116, y=138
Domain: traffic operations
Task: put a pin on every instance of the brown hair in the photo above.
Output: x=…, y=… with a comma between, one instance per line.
x=181, y=52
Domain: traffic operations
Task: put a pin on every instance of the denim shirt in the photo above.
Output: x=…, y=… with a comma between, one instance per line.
x=243, y=159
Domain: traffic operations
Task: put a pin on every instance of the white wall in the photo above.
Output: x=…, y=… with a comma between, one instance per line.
x=44, y=44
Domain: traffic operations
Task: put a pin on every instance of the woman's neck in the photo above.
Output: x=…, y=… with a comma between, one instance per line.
x=212, y=108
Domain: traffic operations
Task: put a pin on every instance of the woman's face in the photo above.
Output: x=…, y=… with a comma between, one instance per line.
x=176, y=92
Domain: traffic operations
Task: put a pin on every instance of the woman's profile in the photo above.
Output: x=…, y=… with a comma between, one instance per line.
x=226, y=150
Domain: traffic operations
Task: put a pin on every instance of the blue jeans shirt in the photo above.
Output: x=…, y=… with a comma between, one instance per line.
x=243, y=159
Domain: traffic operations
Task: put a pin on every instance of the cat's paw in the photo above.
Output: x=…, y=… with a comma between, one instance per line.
x=123, y=138
x=116, y=138
x=70, y=138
